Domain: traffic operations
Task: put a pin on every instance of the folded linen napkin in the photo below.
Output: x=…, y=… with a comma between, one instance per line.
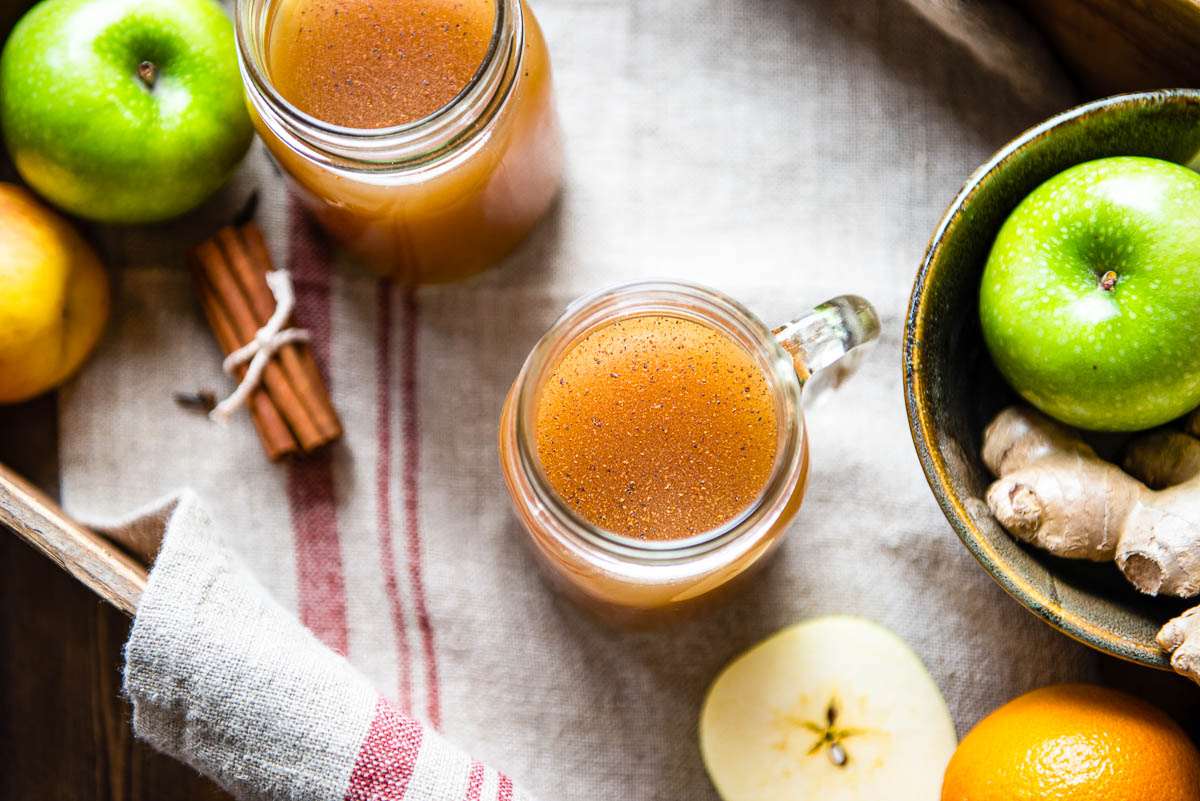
x=224, y=678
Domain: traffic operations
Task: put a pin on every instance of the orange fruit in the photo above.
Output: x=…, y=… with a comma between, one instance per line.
x=1074, y=742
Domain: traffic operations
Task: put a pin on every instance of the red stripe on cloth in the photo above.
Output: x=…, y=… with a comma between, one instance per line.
x=505, y=791
x=321, y=584
x=475, y=781
x=388, y=756
x=412, y=466
x=383, y=484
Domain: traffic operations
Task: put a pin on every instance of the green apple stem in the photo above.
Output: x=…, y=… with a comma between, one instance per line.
x=148, y=72
x=1108, y=281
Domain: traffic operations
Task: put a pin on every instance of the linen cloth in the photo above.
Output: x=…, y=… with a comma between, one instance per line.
x=782, y=151
x=221, y=676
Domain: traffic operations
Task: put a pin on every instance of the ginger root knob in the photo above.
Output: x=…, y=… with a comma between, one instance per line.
x=1181, y=639
x=1052, y=490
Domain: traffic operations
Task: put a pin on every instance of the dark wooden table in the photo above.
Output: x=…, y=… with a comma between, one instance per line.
x=64, y=725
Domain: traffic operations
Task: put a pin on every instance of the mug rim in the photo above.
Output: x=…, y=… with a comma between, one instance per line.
x=653, y=296
x=920, y=420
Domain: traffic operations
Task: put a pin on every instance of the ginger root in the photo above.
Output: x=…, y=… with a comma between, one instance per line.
x=1163, y=458
x=1191, y=423
x=1181, y=639
x=1053, y=491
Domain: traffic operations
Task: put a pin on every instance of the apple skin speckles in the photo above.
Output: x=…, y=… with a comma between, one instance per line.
x=1103, y=359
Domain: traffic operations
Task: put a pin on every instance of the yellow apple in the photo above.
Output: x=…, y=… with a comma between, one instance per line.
x=54, y=297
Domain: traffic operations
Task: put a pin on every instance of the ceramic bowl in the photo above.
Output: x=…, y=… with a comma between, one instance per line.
x=952, y=389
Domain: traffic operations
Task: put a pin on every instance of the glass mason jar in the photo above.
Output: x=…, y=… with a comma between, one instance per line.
x=437, y=199
x=633, y=583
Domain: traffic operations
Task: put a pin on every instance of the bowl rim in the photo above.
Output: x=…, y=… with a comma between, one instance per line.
x=920, y=420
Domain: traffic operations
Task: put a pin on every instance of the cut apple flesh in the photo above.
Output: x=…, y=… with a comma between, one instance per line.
x=832, y=708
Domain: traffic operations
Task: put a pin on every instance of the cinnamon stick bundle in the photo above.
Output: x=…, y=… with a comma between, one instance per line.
x=290, y=407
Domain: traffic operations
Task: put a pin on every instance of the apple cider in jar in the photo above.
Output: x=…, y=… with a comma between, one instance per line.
x=654, y=445
x=657, y=427
x=421, y=134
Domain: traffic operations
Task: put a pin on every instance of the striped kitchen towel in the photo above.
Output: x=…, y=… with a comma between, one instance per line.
x=224, y=678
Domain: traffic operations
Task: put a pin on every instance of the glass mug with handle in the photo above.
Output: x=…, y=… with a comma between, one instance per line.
x=654, y=442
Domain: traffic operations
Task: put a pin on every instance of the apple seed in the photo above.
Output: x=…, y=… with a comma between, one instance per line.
x=830, y=737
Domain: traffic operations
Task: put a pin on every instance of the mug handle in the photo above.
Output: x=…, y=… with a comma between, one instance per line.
x=829, y=343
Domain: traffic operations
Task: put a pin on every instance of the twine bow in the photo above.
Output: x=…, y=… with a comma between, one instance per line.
x=266, y=343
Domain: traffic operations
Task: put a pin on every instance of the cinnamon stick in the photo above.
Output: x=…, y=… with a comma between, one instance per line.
x=231, y=276
x=327, y=417
x=246, y=251
x=276, y=438
x=235, y=303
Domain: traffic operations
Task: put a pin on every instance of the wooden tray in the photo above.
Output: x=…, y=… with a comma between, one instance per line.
x=99, y=564
x=1114, y=46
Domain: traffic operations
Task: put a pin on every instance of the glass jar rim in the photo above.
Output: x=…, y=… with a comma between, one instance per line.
x=667, y=297
x=448, y=126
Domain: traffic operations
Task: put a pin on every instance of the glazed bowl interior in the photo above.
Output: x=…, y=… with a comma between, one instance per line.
x=952, y=389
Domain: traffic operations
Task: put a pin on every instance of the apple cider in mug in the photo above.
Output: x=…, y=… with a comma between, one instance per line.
x=657, y=428
x=421, y=134
x=654, y=445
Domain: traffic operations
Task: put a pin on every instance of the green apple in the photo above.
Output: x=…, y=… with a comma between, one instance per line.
x=123, y=110
x=1090, y=301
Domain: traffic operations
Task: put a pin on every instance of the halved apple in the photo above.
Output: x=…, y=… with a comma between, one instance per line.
x=834, y=708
